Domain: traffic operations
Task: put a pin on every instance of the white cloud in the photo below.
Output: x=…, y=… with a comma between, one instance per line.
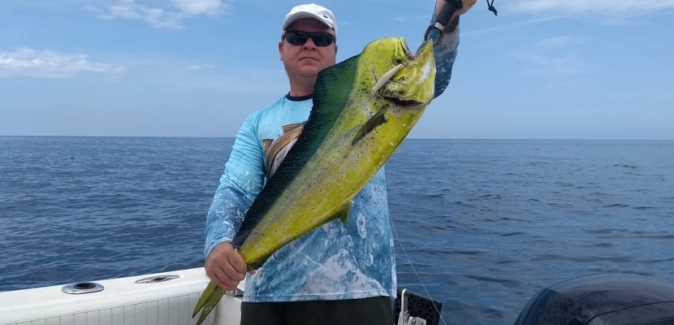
x=50, y=64
x=199, y=7
x=553, y=65
x=198, y=66
x=170, y=17
x=558, y=42
x=551, y=57
x=196, y=75
x=128, y=9
x=510, y=26
x=592, y=6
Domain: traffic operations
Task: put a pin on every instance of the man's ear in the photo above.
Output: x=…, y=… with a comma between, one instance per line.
x=280, y=50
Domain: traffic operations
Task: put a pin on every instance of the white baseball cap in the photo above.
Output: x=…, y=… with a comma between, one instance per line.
x=311, y=10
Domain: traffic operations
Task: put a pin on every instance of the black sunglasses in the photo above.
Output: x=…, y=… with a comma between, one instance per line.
x=320, y=39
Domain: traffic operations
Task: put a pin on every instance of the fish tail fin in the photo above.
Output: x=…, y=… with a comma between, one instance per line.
x=208, y=300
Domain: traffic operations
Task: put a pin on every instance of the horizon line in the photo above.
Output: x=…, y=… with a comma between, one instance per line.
x=408, y=138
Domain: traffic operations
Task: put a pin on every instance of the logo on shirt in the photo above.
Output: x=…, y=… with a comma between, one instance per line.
x=276, y=150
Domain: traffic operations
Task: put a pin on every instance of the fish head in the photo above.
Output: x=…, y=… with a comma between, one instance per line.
x=400, y=76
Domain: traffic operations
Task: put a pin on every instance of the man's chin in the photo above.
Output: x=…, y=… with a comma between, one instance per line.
x=309, y=72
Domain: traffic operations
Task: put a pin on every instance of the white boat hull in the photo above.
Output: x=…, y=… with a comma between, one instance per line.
x=152, y=299
x=122, y=301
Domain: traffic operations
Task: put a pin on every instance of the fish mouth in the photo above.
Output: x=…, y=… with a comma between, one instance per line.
x=385, y=78
x=404, y=103
x=408, y=52
x=411, y=56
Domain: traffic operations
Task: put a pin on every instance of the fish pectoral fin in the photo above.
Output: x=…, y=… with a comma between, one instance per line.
x=375, y=121
x=343, y=213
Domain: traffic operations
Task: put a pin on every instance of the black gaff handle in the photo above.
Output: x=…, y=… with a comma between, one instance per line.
x=447, y=12
x=443, y=18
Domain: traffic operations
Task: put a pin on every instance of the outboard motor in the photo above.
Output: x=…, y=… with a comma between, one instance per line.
x=602, y=300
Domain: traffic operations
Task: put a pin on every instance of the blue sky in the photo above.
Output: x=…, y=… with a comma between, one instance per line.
x=541, y=69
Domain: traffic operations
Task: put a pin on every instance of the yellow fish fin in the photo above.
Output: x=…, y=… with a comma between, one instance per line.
x=375, y=121
x=343, y=213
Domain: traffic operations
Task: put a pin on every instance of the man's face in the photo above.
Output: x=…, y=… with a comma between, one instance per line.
x=307, y=59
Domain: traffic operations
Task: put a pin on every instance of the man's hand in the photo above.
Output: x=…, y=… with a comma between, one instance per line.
x=465, y=6
x=225, y=266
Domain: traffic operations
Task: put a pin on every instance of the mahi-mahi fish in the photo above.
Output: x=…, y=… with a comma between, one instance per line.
x=363, y=108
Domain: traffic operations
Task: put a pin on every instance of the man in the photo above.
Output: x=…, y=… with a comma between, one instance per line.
x=336, y=274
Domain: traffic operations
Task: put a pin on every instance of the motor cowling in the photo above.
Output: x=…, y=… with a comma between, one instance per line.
x=615, y=299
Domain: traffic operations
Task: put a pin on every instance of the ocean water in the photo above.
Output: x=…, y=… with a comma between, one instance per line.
x=481, y=225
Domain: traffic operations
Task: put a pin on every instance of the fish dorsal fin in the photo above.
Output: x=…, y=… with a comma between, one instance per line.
x=376, y=120
x=331, y=93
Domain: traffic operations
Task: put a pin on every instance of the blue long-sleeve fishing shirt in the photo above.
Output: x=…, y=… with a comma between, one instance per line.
x=335, y=261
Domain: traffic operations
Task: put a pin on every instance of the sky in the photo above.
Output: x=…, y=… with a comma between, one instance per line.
x=541, y=69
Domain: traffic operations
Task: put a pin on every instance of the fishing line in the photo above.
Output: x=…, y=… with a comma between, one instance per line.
x=395, y=234
x=380, y=83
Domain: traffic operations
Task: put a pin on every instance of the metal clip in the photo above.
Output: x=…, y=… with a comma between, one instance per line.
x=235, y=293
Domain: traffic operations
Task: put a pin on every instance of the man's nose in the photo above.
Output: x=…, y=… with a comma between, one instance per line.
x=309, y=44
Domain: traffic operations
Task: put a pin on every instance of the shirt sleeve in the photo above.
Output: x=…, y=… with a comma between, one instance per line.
x=444, y=54
x=240, y=183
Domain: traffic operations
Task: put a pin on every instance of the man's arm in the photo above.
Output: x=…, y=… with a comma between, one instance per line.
x=240, y=183
x=445, y=51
